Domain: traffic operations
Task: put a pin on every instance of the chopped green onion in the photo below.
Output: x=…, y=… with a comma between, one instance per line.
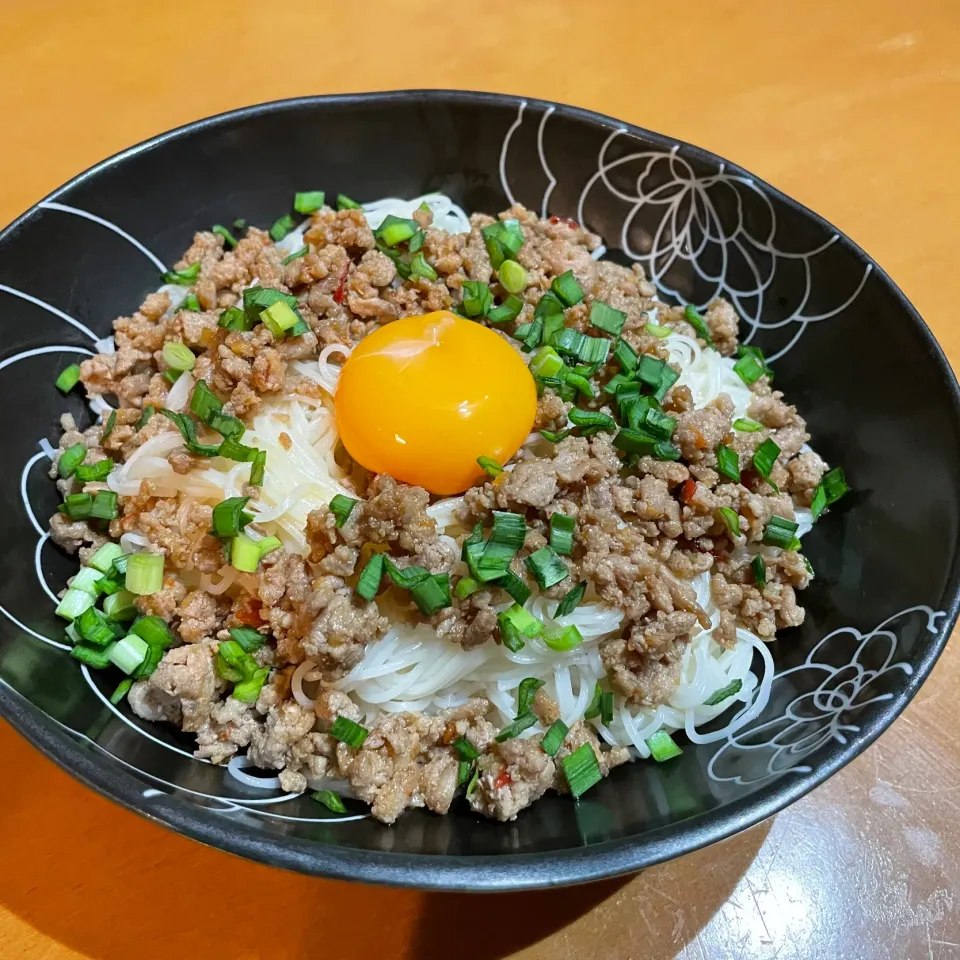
x=509, y=529
x=394, y=230
x=244, y=553
x=282, y=227
x=604, y=317
x=465, y=749
x=110, y=424
x=406, y=578
x=512, y=276
x=144, y=573
x=172, y=376
x=120, y=605
x=503, y=241
x=592, y=420
x=188, y=430
x=477, y=298
x=593, y=708
x=105, y=505
x=757, y=354
x=183, y=278
x=74, y=603
x=746, y=425
x=533, y=337
x=526, y=694
x=635, y=441
x=330, y=800
x=554, y=737
x=232, y=450
x=103, y=559
x=466, y=586
x=370, y=576
x=279, y=318
x=86, y=579
x=650, y=370
x=517, y=727
x=582, y=770
x=308, y=202
x=349, y=732
x=190, y=302
x=748, y=369
x=546, y=362
x=547, y=567
x=94, y=472
x=566, y=638
x=345, y=203
x=567, y=289
x=421, y=270
x=655, y=330
x=780, y=532
x=68, y=378
x=554, y=437
x=508, y=310
x=692, y=317
x=257, y=470
x=77, y=506
x=594, y=350
x=227, y=426
x=645, y=416
x=763, y=460
x=569, y=341
x=92, y=656
x=229, y=518
x=123, y=688
x=154, y=631
x=606, y=708
x=513, y=585
x=228, y=238
x=830, y=489
x=561, y=533
x=580, y=383
x=249, y=639
x=128, y=653
x=522, y=620
x=296, y=255
x=248, y=690
x=759, y=568
x=571, y=600
x=550, y=307
x=341, y=507
x=731, y=519
x=93, y=627
x=667, y=379
x=432, y=594
x=464, y=770
x=233, y=318
x=70, y=459
x=728, y=463
x=662, y=746
x=490, y=466
x=626, y=356
x=204, y=402
x=178, y=356
x=258, y=299
x=510, y=636
x=724, y=693
x=108, y=585
x=149, y=662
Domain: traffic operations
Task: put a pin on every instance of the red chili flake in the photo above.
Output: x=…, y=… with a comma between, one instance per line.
x=338, y=296
x=688, y=490
x=570, y=223
x=503, y=778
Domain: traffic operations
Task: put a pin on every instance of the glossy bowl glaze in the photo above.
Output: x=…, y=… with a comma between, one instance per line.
x=847, y=347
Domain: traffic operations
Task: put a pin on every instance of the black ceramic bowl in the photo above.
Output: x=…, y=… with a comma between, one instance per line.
x=847, y=347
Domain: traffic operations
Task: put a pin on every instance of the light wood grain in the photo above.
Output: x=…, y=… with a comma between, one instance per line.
x=849, y=107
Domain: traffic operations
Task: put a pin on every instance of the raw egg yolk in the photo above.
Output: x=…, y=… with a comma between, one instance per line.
x=421, y=398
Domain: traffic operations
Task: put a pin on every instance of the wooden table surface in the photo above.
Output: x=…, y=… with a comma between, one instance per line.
x=851, y=107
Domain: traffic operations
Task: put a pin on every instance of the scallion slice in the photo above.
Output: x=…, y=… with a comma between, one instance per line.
x=567, y=289
x=465, y=749
x=233, y=318
x=229, y=518
x=513, y=585
x=526, y=694
x=780, y=532
x=692, y=316
x=728, y=463
x=123, y=688
x=566, y=638
x=190, y=302
x=341, y=507
x=178, y=356
x=105, y=506
x=571, y=600
x=511, y=637
x=464, y=771
x=421, y=270
x=406, y=578
x=512, y=276
x=310, y=201
x=522, y=620
x=128, y=653
x=466, y=586
x=77, y=506
x=593, y=708
x=490, y=466
x=70, y=459
x=183, y=278
x=731, y=519
x=554, y=437
x=257, y=470
x=154, y=631
x=764, y=458
x=204, y=402
x=149, y=663
x=432, y=594
x=228, y=238
x=330, y=800
x=645, y=416
x=830, y=489
x=759, y=567
x=604, y=317
x=547, y=567
x=94, y=472
x=282, y=227
x=348, y=731
x=188, y=430
x=579, y=382
x=144, y=573
x=477, y=298
x=110, y=424
x=546, y=362
x=516, y=728
x=68, y=379
x=594, y=350
x=369, y=583
x=279, y=317
x=561, y=533
x=746, y=425
x=667, y=379
x=724, y=693
x=582, y=770
x=606, y=708
x=394, y=230
x=626, y=356
x=103, y=559
x=655, y=330
x=554, y=737
x=92, y=656
x=662, y=746
x=73, y=603
x=508, y=310
x=509, y=529
x=748, y=369
x=345, y=203
x=296, y=255
x=93, y=627
x=503, y=241
x=121, y=605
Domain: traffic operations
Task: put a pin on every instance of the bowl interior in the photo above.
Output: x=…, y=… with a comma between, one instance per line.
x=848, y=350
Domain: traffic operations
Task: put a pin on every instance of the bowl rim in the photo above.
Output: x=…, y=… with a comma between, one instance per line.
x=512, y=872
